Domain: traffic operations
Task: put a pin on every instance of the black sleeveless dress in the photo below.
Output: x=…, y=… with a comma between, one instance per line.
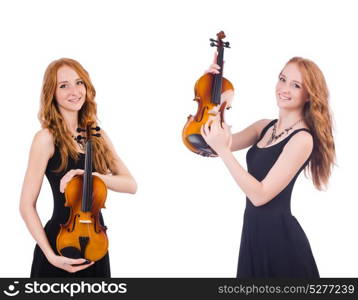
x=40, y=265
x=273, y=243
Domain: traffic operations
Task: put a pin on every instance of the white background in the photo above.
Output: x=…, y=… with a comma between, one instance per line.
x=144, y=58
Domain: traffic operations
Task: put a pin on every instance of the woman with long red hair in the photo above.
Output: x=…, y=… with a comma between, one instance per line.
x=67, y=102
x=273, y=244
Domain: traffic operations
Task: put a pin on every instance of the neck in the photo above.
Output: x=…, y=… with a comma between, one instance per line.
x=71, y=120
x=287, y=119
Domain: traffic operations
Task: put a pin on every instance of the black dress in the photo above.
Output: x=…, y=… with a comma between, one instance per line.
x=273, y=243
x=40, y=265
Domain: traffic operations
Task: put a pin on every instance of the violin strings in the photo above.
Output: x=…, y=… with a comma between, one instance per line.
x=216, y=94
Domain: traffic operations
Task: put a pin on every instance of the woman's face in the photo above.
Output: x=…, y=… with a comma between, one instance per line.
x=70, y=91
x=290, y=92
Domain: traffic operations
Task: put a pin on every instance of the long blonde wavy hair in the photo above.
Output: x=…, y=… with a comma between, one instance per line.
x=51, y=118
x=318, y=118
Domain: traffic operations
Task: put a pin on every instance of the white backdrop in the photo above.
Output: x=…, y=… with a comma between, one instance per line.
x=144, y=58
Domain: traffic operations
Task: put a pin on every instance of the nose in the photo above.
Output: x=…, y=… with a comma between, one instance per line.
x=284, y=89
x=74, y=90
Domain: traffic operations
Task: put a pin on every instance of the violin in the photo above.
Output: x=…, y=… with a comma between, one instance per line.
x=83, y=236
x=213, y=93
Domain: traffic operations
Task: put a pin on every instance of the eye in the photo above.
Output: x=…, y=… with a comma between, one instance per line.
x=62, y=86
x=297, y=86
x=80, y=82
x=282, y=79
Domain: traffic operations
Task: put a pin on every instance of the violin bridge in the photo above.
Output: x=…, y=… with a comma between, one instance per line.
x=85, y=221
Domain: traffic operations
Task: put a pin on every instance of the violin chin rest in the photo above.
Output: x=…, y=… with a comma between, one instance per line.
x=71, y=252
x=198, y=142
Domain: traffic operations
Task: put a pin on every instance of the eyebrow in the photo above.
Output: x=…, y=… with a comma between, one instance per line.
x=68, y=81
x=292, y=80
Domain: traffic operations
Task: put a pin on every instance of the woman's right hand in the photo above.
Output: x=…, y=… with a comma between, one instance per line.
x=68, y=264
x=68, y=176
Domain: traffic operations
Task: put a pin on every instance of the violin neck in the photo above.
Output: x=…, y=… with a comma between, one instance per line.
x=87, y=179
x=217, y=82
x=220, y=58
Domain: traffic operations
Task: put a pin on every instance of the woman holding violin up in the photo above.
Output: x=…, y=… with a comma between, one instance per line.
x=67, y=103
x=273, y=244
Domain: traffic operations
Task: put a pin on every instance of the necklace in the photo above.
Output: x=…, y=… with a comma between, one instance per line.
x=78, y=139
x=274, y=137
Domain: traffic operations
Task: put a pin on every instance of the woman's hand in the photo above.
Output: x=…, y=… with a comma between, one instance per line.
x=217, y=136
x=68, y=176
x=69, y=264
x=214, y=68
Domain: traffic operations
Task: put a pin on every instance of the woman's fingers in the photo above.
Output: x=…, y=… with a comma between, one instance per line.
x=62, y=186
x=68, y=176
x=74, y=261
x=215, y=57
x=207, y=127
x=227, y=129
x=77, y=172
x=74, y=269
x=213, y=69
x=202, y=130
x=214, y=126
x=215, y=66
x=71, y=264
x=80, y=268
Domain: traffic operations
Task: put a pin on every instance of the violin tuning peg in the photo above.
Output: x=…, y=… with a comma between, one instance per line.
x=79, y=138
x=97, y=128
x=80, y=129
x=96, y=134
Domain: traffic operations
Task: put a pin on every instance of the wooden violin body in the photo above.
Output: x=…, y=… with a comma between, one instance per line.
x=83, y=236
x=213, y=93
x=82, y=226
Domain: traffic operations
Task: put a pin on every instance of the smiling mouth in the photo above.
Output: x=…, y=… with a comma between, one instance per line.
x=75, y=100
x=284, y=98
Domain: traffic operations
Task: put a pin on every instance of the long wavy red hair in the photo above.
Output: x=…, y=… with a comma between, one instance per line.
x=318, y=118
x=51, y=118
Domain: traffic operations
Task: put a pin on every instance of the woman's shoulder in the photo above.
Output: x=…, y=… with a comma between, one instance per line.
x=302, y=140
x=303, y=136
x=44, y=136
x=261, y=124
x=264, y=122
x=44, y=141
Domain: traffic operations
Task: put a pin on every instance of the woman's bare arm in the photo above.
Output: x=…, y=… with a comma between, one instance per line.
x=121, y=180
x=248, y=136
x=42, y=149
x=293, y=156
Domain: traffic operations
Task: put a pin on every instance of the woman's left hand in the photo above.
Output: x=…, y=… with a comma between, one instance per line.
x=216, y=136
